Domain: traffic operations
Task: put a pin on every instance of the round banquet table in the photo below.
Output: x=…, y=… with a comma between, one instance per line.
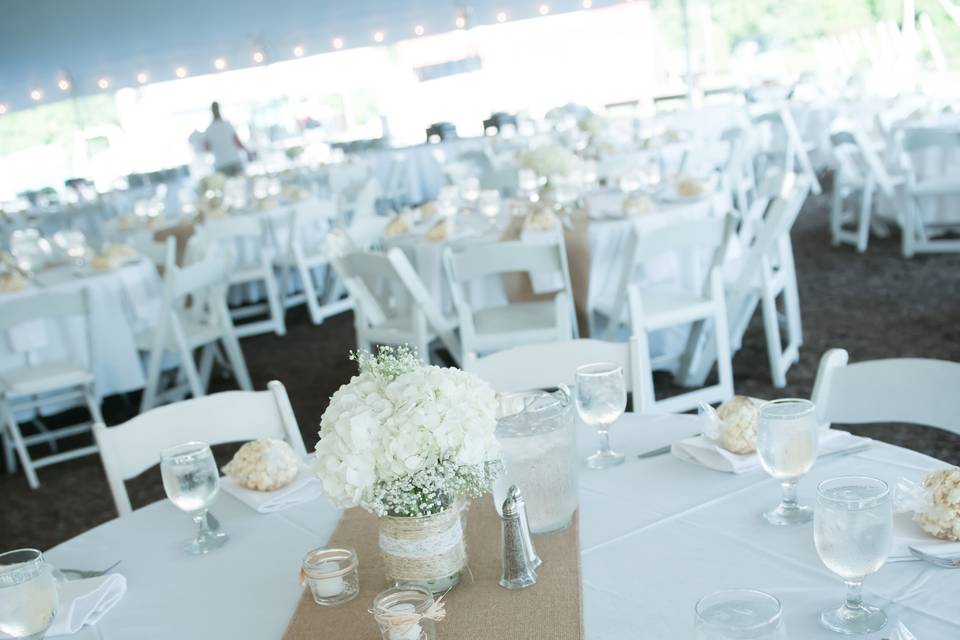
x=655, y=535
x=123, y=302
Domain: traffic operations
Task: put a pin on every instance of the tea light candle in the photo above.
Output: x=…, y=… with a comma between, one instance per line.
x=408, y=631
x=327, y=587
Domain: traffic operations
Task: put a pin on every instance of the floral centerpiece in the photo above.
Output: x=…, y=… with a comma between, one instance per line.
x=410, y=443
x=548, y=160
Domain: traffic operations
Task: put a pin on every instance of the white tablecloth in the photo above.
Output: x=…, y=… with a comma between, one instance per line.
x=122, y=301
x=655, y=535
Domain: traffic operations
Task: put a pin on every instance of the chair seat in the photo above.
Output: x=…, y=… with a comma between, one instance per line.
x=196, y=333
x=511, y=318
x=667, y=307
x=936, y=187
x=42, y=378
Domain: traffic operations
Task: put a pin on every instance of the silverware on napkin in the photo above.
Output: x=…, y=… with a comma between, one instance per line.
x=945, y=562
x=842, y=452
x=87, y=573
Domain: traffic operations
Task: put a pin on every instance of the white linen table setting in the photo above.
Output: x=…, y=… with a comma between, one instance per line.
x=84, y=602
x=656, y=534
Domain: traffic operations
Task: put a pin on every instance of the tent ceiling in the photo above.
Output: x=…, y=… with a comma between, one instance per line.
x=43, y=40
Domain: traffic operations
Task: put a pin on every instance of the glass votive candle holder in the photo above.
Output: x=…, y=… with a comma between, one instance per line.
x=406, y=613
x=331, y=575
x=739, y=614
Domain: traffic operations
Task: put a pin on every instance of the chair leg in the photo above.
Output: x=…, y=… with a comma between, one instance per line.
x=866, y=209
x=187, y=365
x=277, y=310
x=836, y=214
x=207, y=356
x=13, y=428
x=154, y=363
x=93, y=405
x=9, y=453
x=310, y=293
x=724, y=354
x=771, y=326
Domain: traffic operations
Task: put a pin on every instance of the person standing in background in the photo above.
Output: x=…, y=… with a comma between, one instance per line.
x=222, y=141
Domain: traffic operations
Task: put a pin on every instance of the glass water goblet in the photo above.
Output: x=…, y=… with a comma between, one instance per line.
x=28, y=595
x=192, y=481
x=853, y=533
x=601, y=398
x=738, y=614
x=787, y=448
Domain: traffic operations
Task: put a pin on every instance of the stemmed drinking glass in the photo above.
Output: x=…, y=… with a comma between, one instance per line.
x=28, y=595
x=736, y=614
x=853, y=533
x=787, y=448
x=601, y=399
x=192, y=481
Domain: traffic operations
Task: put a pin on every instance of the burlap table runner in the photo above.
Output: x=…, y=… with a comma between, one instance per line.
x=478, y=607
x=577, y=243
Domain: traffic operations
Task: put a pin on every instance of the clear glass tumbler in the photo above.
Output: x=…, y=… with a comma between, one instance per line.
x=192, y=481
x=28, y=595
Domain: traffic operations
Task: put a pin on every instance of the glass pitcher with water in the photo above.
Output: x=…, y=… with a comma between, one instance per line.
x=536, y=432
x=28, y=595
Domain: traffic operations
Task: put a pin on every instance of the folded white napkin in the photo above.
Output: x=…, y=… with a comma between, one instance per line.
x=84, y=602
x=907, y=533
x=305, y=488
x=704, y=451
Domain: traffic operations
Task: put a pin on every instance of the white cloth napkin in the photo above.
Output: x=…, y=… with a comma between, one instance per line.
x=84, y=602
x=304, y=488
x=704, y=451
x=907, y=533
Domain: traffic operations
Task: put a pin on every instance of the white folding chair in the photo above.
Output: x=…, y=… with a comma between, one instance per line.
x=913, y=390
x=193, y=316
x=307, y=255
x=859, y=171
x=251, y=237
x=764, y=274
x=548, y=365
x=737, y=177
x=391, y=304
x=30, y=387
x=483, y=330
x=941, y=148
x=781, y=144
x=129, y=449
x=650, y=308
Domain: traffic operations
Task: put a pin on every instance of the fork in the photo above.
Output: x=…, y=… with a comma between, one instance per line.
x=85, y=573
x=946, y=562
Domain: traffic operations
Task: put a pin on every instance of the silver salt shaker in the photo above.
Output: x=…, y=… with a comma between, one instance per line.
x=532, y=556
x=518, y=572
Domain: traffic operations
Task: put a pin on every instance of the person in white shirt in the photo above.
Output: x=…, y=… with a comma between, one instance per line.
x=221, y=139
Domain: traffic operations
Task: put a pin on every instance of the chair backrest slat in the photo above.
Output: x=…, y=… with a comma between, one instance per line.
x=511, y=256
x=130, y=449
x=44, y=304
x=913, y=390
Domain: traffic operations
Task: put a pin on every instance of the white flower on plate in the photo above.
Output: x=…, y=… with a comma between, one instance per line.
x=941, y=517
x=738, y=431
x=405, y=438
x=264, y=465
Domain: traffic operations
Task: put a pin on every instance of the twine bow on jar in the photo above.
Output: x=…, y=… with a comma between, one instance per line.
x=397, y=617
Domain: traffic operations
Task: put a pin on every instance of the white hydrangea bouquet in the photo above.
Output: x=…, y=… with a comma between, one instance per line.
x=548, y=160
x=410, y=443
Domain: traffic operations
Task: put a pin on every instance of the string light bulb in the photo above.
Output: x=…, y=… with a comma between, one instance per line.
x=461, y=22
x=501, y=16
x=338, y=43
x=64, y=84
x=220, y=64
x=378, y=36
x=3, y=108
x=298, y=51
x=103, y=83
x=544, y=9
x=181, y=72
x=258, y=56
x=142, y=77
x=587, y=4
x=36, y=95
x=419, y=30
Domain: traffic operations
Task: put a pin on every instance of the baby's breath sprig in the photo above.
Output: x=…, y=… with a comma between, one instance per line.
x=388, y=363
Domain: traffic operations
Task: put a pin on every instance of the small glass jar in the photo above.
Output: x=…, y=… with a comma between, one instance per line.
x=331, y=575
x=399, y=610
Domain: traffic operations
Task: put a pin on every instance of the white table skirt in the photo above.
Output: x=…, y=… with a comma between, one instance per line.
x=655, y=535
x=122, y=301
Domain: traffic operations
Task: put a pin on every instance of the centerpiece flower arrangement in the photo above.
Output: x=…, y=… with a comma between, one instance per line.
x=548, y=160
x=410, y=443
